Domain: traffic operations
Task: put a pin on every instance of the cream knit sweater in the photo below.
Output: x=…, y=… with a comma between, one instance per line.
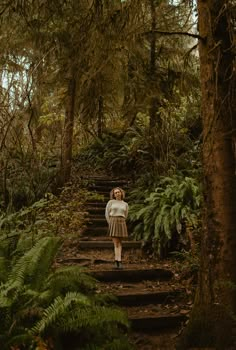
x=115, y=207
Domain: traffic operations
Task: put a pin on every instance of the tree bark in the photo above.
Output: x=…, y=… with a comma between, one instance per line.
x=154, y=103
x=212, y=318
x=67, y=141
x=100, y=116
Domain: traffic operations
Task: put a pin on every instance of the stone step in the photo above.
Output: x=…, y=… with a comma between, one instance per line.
x=107, y=180
x=136, y=298
x=103, y=187
x=105, y=194
x=96, y=221
x=96, y=211
x=97, y=204
x=156, y=322
x=132, y=275
x=95, y=231
x=91, y=244
x=92, y=239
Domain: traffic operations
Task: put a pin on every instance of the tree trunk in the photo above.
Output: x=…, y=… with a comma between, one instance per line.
x=154, y=103
x=100, y=116
x=212, y=318
x=67, y=141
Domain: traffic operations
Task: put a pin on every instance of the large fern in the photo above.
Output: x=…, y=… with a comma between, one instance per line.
x=175, y=202
x=36, y=300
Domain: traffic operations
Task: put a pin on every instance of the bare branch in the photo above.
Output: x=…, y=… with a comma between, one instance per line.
x=196, y=36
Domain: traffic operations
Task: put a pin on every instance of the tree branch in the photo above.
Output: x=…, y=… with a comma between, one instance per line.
x=196, y=36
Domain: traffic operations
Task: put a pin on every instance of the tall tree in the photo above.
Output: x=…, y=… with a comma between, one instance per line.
x=212, y=322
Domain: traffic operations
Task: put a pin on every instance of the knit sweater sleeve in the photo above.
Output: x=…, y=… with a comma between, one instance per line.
x=107, y=210
x=127, y=210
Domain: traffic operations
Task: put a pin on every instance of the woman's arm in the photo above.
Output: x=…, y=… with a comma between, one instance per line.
x=107, y=210
x=127, y=210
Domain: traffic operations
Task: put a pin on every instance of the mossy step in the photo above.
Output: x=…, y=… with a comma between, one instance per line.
x=132, y=275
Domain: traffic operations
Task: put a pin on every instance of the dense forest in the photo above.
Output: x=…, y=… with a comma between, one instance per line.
x=143, y=90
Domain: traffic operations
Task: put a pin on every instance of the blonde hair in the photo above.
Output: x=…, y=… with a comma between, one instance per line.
x=112, y=196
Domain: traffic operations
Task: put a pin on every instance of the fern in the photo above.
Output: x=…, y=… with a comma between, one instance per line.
x=93, y=318
x=32, y=265
x=175, y=201
x=36, y=300
x=70, y=278
x=57, y=310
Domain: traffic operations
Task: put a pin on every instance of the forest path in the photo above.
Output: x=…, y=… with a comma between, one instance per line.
x=150, y=291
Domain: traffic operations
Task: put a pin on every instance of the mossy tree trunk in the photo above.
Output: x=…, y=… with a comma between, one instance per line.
x=212, y=321
x=154, y=102
x=100, y=116
x=67, y=141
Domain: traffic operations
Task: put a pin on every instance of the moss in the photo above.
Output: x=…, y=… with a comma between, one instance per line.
x=210, y=326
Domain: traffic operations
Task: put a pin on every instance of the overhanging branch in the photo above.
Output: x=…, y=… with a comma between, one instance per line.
x=196, y=36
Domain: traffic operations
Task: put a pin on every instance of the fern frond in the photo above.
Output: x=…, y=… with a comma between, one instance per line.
x=167, y=228
x=24, y=339
x=58, y=309
x=93, y=317
x=35, y=263
x=71, y=278
x=4, y=266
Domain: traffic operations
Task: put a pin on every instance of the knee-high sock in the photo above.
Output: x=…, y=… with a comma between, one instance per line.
x=116, y=252
x=119, y=250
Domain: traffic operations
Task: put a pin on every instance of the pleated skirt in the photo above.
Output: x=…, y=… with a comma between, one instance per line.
x=117, y=227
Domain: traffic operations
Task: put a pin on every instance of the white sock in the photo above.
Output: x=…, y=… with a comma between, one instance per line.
x=119, y=249
x=116, y=253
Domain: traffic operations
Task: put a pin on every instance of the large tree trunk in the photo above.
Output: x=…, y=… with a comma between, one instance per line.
x=212, y=319
x=67, y=141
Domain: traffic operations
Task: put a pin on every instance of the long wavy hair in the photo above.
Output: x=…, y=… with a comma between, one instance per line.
x=112, y=196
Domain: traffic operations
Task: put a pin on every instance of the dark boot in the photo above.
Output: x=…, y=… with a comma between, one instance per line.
x=120, y=266
x=116, y=264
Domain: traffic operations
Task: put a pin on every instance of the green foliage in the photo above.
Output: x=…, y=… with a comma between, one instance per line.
x=109, y=153
x=188, y=263
x=27, y=178
x=51, y=215
x=165, y=211
x=173, y=145
x=36, y=305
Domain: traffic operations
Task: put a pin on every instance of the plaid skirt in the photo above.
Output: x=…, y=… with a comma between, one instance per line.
x=117, y=227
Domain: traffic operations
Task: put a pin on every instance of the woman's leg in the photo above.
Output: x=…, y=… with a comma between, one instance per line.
x=116, y=246
x=117, y=249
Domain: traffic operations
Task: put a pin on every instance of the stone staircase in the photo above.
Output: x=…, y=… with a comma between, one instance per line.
x=146, y=289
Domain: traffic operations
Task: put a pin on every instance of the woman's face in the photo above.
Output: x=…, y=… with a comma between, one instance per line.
x=117, y=193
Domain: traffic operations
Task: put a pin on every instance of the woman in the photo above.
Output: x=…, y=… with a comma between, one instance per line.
x=116, y=214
